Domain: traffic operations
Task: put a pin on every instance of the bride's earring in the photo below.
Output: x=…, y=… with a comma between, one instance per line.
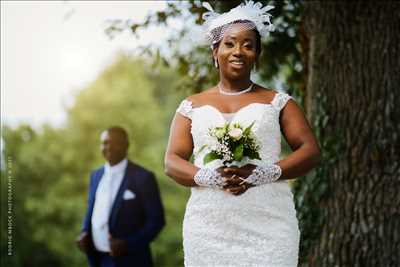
x=216, y=63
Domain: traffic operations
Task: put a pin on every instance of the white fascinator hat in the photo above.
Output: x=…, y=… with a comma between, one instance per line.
x=249, y=15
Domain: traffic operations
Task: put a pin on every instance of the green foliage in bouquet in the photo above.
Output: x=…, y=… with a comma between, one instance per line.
x=233, y=143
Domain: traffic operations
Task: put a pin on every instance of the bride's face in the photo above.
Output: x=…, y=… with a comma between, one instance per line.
x=236, y=53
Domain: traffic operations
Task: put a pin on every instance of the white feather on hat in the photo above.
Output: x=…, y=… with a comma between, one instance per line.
x=253, y=12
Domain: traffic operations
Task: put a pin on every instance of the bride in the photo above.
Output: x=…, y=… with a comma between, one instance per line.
x=240, y=215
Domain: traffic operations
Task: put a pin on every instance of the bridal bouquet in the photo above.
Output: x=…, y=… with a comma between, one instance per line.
x=232, y=142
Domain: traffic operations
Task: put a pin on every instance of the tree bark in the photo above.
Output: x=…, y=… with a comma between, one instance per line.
x=354, y=78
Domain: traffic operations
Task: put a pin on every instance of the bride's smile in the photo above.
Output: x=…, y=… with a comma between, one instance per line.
x=237, y=53
x=240, y=211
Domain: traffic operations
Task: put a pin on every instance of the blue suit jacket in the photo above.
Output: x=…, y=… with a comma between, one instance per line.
x=137, y=220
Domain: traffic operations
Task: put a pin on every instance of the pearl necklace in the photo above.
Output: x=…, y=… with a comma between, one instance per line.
x=222, y=92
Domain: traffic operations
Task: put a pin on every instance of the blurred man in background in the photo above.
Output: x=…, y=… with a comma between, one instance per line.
x=124, y=212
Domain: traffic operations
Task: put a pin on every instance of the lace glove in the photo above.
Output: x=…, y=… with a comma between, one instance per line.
x=209, y=178
x=264, y=174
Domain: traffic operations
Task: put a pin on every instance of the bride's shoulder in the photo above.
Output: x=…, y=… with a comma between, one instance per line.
x=265, y=92
x=202, y=97
x=187, y=105
x=271, y=96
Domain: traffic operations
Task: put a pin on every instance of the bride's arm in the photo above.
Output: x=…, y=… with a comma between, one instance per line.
x=179, y=150
x=300, y=137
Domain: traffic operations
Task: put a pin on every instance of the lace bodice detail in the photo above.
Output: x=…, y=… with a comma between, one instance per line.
x=185, y=108
x=266, y=127
x=257, y=228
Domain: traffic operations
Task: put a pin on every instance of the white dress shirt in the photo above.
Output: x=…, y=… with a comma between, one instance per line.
x=105, y=195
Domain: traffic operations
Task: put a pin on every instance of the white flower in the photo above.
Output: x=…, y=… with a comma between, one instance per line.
x=236, y=133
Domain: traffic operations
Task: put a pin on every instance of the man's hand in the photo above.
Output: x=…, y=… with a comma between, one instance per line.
x=83, y=242
x=119, y=247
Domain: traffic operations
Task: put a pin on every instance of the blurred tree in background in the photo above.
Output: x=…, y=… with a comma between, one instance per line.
x=330, y=57
x=51, y=166
x=340, y=60
x=280, y=60
x=353, y=84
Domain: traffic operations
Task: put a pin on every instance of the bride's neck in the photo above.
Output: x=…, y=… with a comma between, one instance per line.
x=235, y=85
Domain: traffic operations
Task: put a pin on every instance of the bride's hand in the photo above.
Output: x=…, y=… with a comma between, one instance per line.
x=243, y=172
x=235, y=177
x=236, y=186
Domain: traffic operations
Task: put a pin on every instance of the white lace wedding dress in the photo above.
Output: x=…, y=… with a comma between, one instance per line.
x=257, y=228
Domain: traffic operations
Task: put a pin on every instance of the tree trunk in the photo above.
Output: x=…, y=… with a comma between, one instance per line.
x=354, y=93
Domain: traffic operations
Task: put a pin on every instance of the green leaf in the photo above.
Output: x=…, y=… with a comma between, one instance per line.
x=256, y=156
x=226, y=127
x=248, y=129
x=210, y=157
x=251, y=154
x=201, y=149
x=238, y=152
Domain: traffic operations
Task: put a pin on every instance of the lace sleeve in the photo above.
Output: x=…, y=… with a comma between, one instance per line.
x=185, y=108
x=280, y=100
